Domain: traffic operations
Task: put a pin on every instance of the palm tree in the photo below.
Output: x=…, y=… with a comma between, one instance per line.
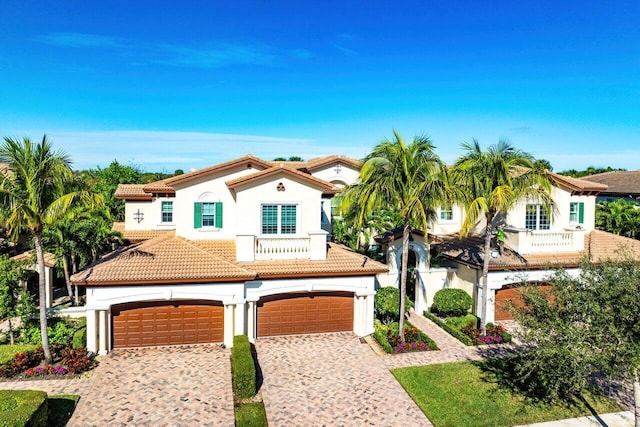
x=409, y=178
x=488, y=184
x=619, y=217
x=34, y=190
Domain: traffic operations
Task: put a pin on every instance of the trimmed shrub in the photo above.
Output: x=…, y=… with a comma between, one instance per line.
x=79, y=338
x=459, y=322
x=23, y=408
x=76, y=360
x=464, y=339
x=380, y=334
x=388, y=338
x=387, y=303
x=243, y=368
x=451, y=302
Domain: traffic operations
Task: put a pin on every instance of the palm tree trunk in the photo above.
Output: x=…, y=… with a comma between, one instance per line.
x=42, y=292
x=67, y=281
x=485, y=275
x=406, y=233
x=636, y=395
x=10, y=330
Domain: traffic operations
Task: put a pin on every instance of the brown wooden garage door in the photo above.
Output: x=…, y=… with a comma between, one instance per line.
x=511, y=294
x=162, y=323
x=305, y=314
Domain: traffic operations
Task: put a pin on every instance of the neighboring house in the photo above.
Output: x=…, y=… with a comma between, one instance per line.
x=621, y=185
x=236, y=248
x=29, y=257
x=534, y=243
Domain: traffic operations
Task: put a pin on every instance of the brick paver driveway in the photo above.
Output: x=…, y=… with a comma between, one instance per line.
x=188, y=385
x=332, y=380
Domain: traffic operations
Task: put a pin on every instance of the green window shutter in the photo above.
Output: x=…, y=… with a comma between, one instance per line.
x=219, y=215
x=581, y=213
x=197, y=215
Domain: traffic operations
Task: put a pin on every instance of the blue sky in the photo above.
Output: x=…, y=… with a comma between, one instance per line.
x=168, y=85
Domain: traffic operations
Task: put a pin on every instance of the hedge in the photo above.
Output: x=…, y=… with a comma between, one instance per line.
x=464, y=339
x=243, y=368
x=23, y=408
x=451, y=302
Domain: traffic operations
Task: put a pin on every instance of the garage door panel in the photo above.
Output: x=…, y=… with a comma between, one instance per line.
x=506, y=295
x=162, y=323
x=305, y=313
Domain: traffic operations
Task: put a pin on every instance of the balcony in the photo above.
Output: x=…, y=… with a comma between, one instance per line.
x=255, y=248
x=544, y=241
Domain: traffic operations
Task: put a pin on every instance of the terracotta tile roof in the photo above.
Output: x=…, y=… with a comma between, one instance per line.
x=577, y=185
x=132, y=192
x=619, y=182
x=341, y=261
x=135, y=236
x=319, y=162
x=599, y=245
x=49, y=258
x=171, y=259
x=220, y=167
x=276, y=170
x=163, y=259
x=159, y=187
x=395, y=234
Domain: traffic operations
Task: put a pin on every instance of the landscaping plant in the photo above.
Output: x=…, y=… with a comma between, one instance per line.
x=451, y=302
x=386, y=302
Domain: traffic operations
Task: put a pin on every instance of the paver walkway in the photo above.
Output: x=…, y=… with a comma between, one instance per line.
x=331, y=380
x=187, y=385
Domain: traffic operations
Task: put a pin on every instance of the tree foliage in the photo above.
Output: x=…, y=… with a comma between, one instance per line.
x=105, y=181
x=620, y=217
x=408, y=177
x=591, y=170
x=588, y=327
x=488, y=183
x=11, y=273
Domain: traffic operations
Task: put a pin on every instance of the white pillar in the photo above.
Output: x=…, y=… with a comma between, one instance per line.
x=358, y=317
x=102, y=332
x=228, y=324
x=240, y=320
x=369, y=315
x=48, y=280
x=364, y=313
x=251, y=320
x=92, y=331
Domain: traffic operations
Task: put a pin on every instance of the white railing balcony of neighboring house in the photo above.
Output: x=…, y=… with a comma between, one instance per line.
x=543, y=241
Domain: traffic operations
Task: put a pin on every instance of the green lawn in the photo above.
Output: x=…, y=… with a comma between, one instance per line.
x=461, y=394
x=251, y=415
x=61, y=408
x=7, y=351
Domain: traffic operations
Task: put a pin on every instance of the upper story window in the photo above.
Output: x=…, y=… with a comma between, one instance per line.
x=167, y=212
x=279, y=219
x=576, y=213
x=536, y=218
x=207, y=213
x=446, y=213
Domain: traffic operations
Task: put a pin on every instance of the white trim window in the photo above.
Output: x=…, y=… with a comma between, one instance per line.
x=576, y=213
x=446, y=213
x=536, y=218
x=166, y=212
x=279, y=219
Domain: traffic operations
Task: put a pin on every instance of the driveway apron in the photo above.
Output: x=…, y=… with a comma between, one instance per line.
x=188, y=385
x=331, y=380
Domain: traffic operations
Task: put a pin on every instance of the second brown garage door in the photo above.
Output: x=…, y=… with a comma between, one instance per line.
x=503, y=296
x=145, y=324
x=305, y=314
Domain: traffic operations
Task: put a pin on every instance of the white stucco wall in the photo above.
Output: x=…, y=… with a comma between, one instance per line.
x=346, y=175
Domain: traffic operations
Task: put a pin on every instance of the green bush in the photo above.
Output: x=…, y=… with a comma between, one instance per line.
x=243, y=368
x=387, y=337
x=380, y=335
x=456, y=333
x=80, y=338
x=451, y=302
x=61, y=331
x=387, y=303
x=459, y=322
x=23, y=408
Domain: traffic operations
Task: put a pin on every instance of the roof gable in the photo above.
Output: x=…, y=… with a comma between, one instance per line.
x=247, y=160
x=281, y=170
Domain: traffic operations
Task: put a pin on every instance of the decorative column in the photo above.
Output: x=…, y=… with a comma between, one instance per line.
x=228, y=323
x=102, y=334
x=92, y=344
x=240, y=318
x=252, y=331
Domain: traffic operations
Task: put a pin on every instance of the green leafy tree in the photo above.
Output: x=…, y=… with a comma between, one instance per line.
x=588, y=328
x=489, y=182
x=409, y=177
x=34, y=189
x=591, y=170
x=105, y=181
x=620, y=217
x=11, y=273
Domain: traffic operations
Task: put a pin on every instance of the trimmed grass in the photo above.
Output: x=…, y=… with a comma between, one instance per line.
x=61, y=408
x=251, y=415
x=7, y=351
x=461, y=394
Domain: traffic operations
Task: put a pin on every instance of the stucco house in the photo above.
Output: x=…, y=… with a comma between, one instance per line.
x=236, y=248
x=535, y=242
x=621, y=185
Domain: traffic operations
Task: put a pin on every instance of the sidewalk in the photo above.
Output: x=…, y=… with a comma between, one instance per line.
x=616, y=419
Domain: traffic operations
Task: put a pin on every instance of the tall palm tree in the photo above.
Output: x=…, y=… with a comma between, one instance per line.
x=33, y=188
x=409, y=178
x=488, y=184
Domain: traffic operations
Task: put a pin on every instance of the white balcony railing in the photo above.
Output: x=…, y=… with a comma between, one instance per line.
x=544, y=241
x=282, y=248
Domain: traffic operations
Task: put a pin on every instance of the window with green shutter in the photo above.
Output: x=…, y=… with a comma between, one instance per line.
x=576, y=213
x=207, y=214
